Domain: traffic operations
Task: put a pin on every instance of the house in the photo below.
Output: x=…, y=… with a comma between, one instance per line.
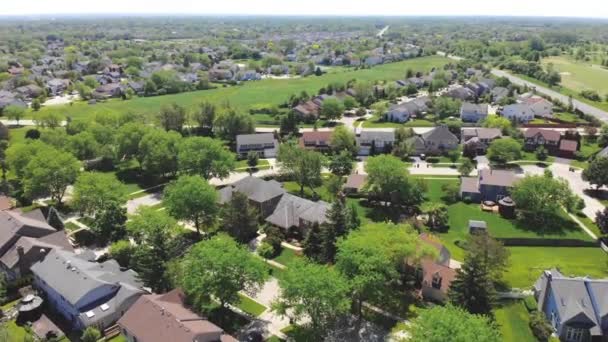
x=265, y=144
x=489, y=185
x=167, y=317
x=85, y=293
x=108, y=90
x=371, y=142
x=461, y=93
x=263, y=195
x=354, y=183
x=536, y=137
x=576, y=308
x=316, y=140
x=293, y=212
x=30, y=91
x=308, y=110
x=434, y=275
x=435, y=141
x=499, y=93
x=402, y=112
x=518, y=112
x=567, y=148
x=471, y=112
x=25, y=238
x=541, y=107
x=57, y=86
x=477, y=140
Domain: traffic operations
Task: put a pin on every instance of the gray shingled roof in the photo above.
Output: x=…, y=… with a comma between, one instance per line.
x=13, y=223
x=291, y=209
x=251, y=139
x=439, y=133
x=254, y=188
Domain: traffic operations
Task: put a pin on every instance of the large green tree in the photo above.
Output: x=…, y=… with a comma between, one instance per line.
x=473, y=288
x=341, y=164
x=205, y=156
x=332, y=109
x=83, y=146
x=304, y=166
x=229, y=124
x=239, y=219
x=158, y=152
x=314, y=291
x=128, y=137
x=388, y=182
x=343, y=139
x=597, y=172
x=449, y=323
x=192, y=198
x=172, y=117
x=93, y=189
x=504, y=150
x=50, y=173
x=109, y=224
x=217, y=269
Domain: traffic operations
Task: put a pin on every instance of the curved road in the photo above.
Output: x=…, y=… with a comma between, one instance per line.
x=583, y=107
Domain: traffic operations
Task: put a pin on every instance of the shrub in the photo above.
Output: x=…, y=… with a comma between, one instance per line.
x=122, y=251
x=540, y=327
x=266, y=251
x=530, y=303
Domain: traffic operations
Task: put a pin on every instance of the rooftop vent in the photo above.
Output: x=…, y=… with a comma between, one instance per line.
x=104, y=307
x=90, y=314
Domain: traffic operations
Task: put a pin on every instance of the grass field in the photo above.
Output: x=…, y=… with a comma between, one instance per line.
x=578, y=75
x=250, y=306
x=513, y=319
x=268, y=91
x=527, y=263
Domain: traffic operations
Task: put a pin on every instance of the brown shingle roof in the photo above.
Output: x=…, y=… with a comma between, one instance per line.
x=568, y=145
x=547, y=134
x=355, y=181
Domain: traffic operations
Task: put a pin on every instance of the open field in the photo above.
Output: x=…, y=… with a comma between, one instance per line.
x=513, y=319
x=579, y=75
x=268, y=91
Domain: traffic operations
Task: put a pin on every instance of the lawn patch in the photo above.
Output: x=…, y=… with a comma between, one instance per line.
x=250, y=306
x=514, y=319
x=286, y=257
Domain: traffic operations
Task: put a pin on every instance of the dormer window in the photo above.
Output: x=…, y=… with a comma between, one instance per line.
x=436, y=284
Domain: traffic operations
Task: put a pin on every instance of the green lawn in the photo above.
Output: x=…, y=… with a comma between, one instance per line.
x=15, y=332
x=262, y=163
x=374, y=123
x=577, y=75
x=250, y=306
x=321, y=191
x=434, y=193
x=513, y=319
x=270, y=91
x=460, y=214
x=71, y=226
x=286, y=257
x=527, y=263
x=118, y=338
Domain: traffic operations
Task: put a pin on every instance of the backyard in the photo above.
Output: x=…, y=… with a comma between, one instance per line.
x=513, y=318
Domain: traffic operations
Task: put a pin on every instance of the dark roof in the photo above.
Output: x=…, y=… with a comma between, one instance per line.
x=291, y=209
x=256, y=189
x=166, y=317
x=497, y=177
x=547, y=134
x=355, y=181
x=248, y=139
x=14, y=223
x=439, y=133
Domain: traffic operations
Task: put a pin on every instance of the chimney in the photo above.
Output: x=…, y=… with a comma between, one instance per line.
x=23, y=268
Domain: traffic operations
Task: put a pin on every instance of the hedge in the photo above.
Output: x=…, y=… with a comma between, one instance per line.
x=530, y=303
x=534, y=242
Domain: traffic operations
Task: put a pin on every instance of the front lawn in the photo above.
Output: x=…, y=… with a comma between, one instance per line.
x=250, y=306
x=527, y=263
x=513, y=320
x=434, y=192
x=262, y=164
x=286, y=257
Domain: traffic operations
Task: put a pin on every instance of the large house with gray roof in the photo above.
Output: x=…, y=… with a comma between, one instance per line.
x=473, y=112
x=265, y=145
x=263, y=195
x=296, y=212
x=489, y=185
x=86, y=293
x=372, y=141
x=436, y=141
x=576, y=308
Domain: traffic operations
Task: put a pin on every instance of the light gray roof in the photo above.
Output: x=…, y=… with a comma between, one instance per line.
x=291, y=209
x=603, y=153
x=249, y=139
x=572, y=299
x=469, y=184
x=481, y=108
x=367, y=134
x=14, y=223
x=497, y=177
x=254, y=188
x=439, y=133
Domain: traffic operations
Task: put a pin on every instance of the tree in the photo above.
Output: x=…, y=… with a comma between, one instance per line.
x=19, y=155
x=437, y=214
x=466, y=167
x=93, y=190
x=158, y=151
x=449, y=323
x=90, y=334
x=332, y=109
x=239, y=219
x=205, y=157
x=218, y=269
x=597, y=172
x=601, y=219
x=314, y=291
x=205, y=115
x=172, y=117
x=541, y=153
x=252, y=160
x=445, y=107
x=50, y=173
x=388, y=182
x=313, y=243
x=36, y=105
x=122, y=251
x=110, y=222
x=494, y=255
x=192, y=198
x=540, y=198
x=495, y=121
x=371, y=257
x=473, y=289
x=83, y=146
x=341, y=164
x=229, y=124
x=504, y=150
x=14, y=112
x=304, y=166
x=128, y=138
x=343, y=139
x=334, y=185
x=541, y=329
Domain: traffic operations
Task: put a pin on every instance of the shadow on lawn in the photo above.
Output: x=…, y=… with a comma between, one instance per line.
x=557, y=225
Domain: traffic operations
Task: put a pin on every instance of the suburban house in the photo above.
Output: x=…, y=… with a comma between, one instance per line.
x=536, y=137
x=477, y=140
x=371, y=142
x=264, y=195
x=518, y=112
x=299, y=213
x=354, y=183
x=461, y=93
x=576, y=308
x=499, y=93
x=308, y=110
x=26, y=238
x=265, y=145
x=567, y=148
x=404, y=111
x=108, y=90
x=84, y=292
x=435, y=141
x=489, y=185
x=57, y=86
x=315, y=140
x=540, y=106
x=471, y=112
x=167, y=317
x=434, y=275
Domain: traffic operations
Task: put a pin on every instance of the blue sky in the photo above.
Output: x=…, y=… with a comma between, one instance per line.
x=579, y=8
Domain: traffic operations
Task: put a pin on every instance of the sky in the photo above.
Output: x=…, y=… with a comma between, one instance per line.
x=559, y=8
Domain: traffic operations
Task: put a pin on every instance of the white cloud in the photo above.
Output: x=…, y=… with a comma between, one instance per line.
x=580, y=8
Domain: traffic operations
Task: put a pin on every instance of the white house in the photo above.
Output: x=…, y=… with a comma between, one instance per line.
x=264, y=144
x=518, y=112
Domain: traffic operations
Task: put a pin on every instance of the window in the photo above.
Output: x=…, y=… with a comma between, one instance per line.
x=436, y=281
x=574, y=334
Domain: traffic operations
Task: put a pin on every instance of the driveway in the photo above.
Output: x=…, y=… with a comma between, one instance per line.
x=148, y=200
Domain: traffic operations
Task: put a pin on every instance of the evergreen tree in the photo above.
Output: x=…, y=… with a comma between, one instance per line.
x=239, y=219
x=473, y=289
x=336, y=217
x=328, y=243
x=353, y=221
x=313, y=244
x=151, y=268
x=110, y=222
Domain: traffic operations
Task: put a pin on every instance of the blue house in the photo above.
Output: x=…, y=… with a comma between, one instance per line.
x=84, y=292
x=471, y=112
x=489, y=185
x=577, y=308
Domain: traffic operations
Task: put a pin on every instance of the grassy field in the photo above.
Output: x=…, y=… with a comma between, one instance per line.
x=527, y=263
x=434, y=193
x=250, y=306
x=514, y=319
x=268, y=91
x=578, y=75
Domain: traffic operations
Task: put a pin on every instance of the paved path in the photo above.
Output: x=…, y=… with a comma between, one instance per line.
x=583, y=107
x=148, y=200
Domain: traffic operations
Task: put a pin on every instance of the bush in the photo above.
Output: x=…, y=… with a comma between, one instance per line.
x=530, y=303
x=540, y=327
x=122, y=251
x=266, y=251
